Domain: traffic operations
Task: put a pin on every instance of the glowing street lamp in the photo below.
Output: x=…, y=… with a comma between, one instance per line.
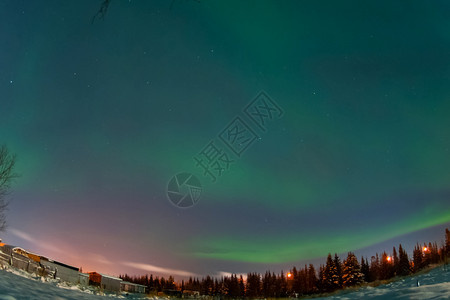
x=289, y=275
x=389, y=258
x=425, y=249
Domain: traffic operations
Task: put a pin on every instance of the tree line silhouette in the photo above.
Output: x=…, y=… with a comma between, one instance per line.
x=331, y=276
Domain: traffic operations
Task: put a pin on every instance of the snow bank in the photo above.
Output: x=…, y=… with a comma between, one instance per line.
x=18, y=284
x=433, y=285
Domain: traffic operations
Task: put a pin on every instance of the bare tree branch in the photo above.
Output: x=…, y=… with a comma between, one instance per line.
x=102, y=11
x=7, y=163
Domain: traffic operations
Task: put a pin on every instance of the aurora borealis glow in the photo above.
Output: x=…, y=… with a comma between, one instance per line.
x=102, y=115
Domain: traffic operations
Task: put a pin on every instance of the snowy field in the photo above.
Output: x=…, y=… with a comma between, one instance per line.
x=17, y=285
x=433, y=285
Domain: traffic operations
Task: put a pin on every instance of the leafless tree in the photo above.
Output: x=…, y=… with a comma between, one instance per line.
x=7, y=162
x=102, y=11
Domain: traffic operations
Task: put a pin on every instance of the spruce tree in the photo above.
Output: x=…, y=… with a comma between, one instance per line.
x=267, y=285
x=217, y=287
x=320, y=280
x=312, y=280
x=417, y=258
x=296, y=281
x=386, y=267
x=330, y=278
x=403, y=265
x=374, y=268
x=338, y=264
x=283, y=285
x=253, y=287
x=395, y=262
x=447, y=243
x=241, y=287
x=351, y=271
x=365, y=269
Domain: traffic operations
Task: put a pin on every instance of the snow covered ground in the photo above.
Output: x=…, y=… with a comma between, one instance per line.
x=18, y=285
x=433, y=285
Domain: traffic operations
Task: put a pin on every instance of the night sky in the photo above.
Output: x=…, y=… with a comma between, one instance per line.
x=103, y=114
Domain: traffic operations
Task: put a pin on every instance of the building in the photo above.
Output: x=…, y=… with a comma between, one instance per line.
x=60, y=270
x=105, y=282
x=173, y=293
x=84, y=279
x=130, y=287
x=191, y=294
x=43, y=266
x=35, y=263
x=17, y=257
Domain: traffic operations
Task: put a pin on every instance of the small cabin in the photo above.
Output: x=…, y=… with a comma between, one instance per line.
x=105, y=282
x=63, y=271
x=83, y=279
x=131, y=287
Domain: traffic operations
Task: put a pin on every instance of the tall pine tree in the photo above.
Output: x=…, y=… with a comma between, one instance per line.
x=403, y=264
x=386, y=266
x=418, y=258
x=338, y=264
x=395, y=262
x=331, y=279
x=365, y=269
x=352, y=274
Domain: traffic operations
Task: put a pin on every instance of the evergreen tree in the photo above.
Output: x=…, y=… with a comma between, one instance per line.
x=296, y=281
x=170, y=283
x=241, y=287
x=331, y=280
x=395, y=262
x=162, y=282
x=447, y=243
x=418, y=258
x=217, y=287
x=386, y=266
x=157, y=285
x=224, y=288
x=278, y=285
x=320, y=280
x=283, y=285
x=267, y=285
x=338, y=264
x=312, y=280
x=374, y=268
x=253, y=287
x=207, y=286
x=352, y=271
x=426, y=255
x=403, y=265
x=365, y=269
x=435, y=257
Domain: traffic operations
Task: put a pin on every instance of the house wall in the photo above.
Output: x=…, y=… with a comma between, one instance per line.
x=65, y=273
x=110, y=283
x=95, y=278
x=140, y=289
x=130, y=287
x=19, y=261
x=33, y=263
x=83, y=279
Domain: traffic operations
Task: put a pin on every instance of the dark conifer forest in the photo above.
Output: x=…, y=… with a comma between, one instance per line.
x=334, y=274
